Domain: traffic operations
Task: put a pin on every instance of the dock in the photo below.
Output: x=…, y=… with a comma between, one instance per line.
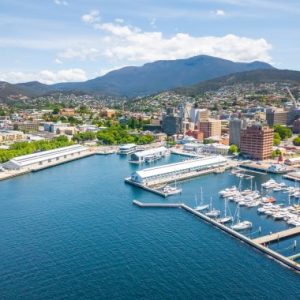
x=267, y=251
x=295, y=257
x=277, y=236
x=157, y=205
x=295, y=176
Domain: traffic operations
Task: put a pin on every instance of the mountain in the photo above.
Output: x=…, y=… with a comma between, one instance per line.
x=160, y=76
x=255, y=76
x=148, y=79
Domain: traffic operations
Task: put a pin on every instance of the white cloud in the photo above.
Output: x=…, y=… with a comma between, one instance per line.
x=127, y=44
x=58, y=61
x=61, y=2
x=92, y=17
x=81, y=53
x=219, y=12
x=45, y=76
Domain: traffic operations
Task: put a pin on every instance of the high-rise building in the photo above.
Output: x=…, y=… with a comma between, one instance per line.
x=235, y=126
x=210, y=128
x=276, y=117
x=257, y=141
x=172, y=124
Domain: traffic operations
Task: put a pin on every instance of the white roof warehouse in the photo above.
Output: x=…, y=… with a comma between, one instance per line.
x=149, y=174
x=37, y=159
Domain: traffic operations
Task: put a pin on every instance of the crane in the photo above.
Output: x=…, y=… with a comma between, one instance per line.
x=291, y=95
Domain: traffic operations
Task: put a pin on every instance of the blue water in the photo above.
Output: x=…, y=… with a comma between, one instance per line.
x=71, y=232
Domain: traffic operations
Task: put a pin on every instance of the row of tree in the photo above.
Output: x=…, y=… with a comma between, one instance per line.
x=23, y=148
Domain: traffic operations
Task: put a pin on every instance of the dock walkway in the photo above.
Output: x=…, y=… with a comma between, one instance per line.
x=277, y=236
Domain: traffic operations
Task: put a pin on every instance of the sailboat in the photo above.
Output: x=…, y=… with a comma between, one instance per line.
x=212, y=213
x=226, y=218
x=172, y=190
x=202, y=206
x=241, y=225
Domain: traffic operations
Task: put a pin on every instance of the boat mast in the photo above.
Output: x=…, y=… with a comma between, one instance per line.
x=201, y=196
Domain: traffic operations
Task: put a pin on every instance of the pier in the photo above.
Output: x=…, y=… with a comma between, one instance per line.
x=287, y=261
x=157, y=205
x=277, y=236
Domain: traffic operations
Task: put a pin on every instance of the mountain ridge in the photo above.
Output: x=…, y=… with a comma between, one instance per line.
x=148, y=79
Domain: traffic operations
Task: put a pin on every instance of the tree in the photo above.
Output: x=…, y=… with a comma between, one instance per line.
x=276, y=153
x=55, y=111
x=296, y=141
x=233, y=149
x=284, y=132
x=277, y=139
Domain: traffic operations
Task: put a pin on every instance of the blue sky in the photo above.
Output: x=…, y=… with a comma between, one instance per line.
x=73, y=40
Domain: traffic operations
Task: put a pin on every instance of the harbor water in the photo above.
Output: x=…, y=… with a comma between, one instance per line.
x=71, y=232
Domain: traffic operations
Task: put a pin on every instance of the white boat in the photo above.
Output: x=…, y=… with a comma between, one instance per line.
x=171, y=190
x=201, y=206
x=241, y=225
x=226, y=218
x=212, y=213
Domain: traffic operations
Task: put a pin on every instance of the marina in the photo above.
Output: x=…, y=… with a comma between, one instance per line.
x=254, y=243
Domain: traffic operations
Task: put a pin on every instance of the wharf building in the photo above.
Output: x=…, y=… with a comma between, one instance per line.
x=210, y=127
x=257, y=142
x=150, y=176
x=44, y=159
x=149, y=155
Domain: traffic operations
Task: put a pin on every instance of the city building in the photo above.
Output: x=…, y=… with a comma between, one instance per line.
x=210, y=128
x=196, y=134
x=276, y=117
x=235, y=126
x=108, y=113
x=296, y=126
x=10, y=136
x=67, y=112
x=257, y=141
x=45, y=158
x=26, y=126
x=172, y=124
x=293, y=115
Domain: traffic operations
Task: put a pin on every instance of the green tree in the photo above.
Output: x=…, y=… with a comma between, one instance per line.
x=296, y=141
x=284, y=132
x=277, y=139
x=276, y=153
x=233, y=149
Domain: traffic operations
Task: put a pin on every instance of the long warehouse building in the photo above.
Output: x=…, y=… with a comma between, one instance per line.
x=46, y=158
x=145, y=176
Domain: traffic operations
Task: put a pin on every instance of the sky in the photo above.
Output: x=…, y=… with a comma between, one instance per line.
x=75, y=40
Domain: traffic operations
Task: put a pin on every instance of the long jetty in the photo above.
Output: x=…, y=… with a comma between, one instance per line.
x=269, y=252
x=277, y=236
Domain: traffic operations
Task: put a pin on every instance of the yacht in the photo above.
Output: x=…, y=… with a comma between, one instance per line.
x=241, y=225
x=226, y=218
x=201, y=206
x=171, y=190
x=212, y=213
